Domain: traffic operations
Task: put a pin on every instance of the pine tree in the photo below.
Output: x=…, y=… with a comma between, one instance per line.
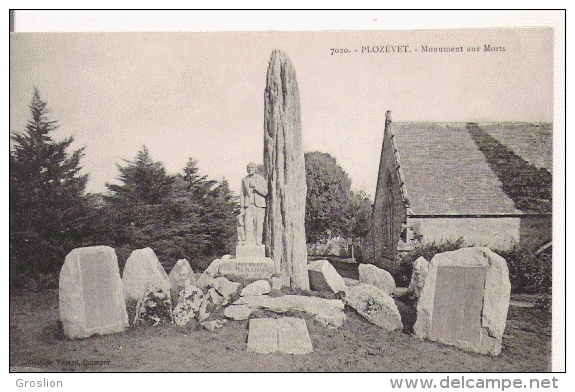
x=46, y=195
x=182, y=216
x=143, y=180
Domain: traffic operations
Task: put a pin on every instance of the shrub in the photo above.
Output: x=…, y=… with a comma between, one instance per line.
x=529, y=273
x=402, y=274
x=155, y=308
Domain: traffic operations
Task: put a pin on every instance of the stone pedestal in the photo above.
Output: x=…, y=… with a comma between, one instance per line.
x=250, y=251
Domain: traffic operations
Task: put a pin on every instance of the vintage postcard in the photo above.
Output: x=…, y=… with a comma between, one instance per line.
x=370, y=200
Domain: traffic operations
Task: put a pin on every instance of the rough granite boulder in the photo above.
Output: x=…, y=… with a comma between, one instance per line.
x=154, y=307
x=259, y=287
x=188, y=306
x=374, y=305
x=225, y=288
x=420, y=270
x=209, y=274
x=142, y=272
x=91, y=299
x=324, y=277
x=380, y=278
x=284, y=222
x=465, y=299
x=213, y=325
x=181, y=276
x=212, y=302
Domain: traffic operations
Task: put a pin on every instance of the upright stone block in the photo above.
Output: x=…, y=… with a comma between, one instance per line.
x=324, y=277
x=143, y=271
x=181, y=276
x=418, y=275
x=90, y=293
x=284, y=164
x=464, y=300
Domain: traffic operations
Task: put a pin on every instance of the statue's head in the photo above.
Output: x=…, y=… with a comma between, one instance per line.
x=252, y=168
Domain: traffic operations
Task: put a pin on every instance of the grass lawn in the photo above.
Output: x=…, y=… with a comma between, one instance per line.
x=358, y=346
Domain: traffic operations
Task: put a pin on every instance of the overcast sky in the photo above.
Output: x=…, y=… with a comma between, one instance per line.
x=201, y=94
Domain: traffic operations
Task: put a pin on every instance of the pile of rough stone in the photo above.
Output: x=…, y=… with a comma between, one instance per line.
x=93, y=298
x=462, y=298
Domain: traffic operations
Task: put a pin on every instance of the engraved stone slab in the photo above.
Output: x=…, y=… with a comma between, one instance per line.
x=250, y=251
x=255, y=268
x=263, y=336
x=458, y=317
x=293, y=336
x=464, y=300
x=90, y=293
x=288, y=335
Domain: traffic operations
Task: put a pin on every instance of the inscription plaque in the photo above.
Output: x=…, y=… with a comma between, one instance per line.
x=263, y=269
x=96, y=288
x=458, y=303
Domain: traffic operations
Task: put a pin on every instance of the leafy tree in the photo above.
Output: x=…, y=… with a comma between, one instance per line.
x=327, y=199
x=332, y=208
x=47, y=207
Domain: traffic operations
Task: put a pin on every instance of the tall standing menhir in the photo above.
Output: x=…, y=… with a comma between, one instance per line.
x=284, y=224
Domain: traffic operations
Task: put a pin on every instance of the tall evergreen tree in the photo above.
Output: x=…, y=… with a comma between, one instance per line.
x=143, y=180
x=46, y=195
x=182, y=216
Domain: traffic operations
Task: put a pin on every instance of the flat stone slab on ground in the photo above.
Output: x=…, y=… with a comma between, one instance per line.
x=293, y=336
x=288, y=335
x=238, y=312
x=328, y=312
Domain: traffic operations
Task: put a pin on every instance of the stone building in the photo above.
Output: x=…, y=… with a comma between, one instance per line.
x=444, y=181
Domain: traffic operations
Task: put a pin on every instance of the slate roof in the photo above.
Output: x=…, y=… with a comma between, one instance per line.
x=444, y=173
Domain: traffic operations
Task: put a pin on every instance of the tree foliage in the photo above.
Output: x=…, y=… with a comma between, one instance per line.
x=332, y=208
x=181, y=216
x=47, y=208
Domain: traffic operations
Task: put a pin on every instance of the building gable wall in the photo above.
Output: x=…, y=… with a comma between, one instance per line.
x=387, y=228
